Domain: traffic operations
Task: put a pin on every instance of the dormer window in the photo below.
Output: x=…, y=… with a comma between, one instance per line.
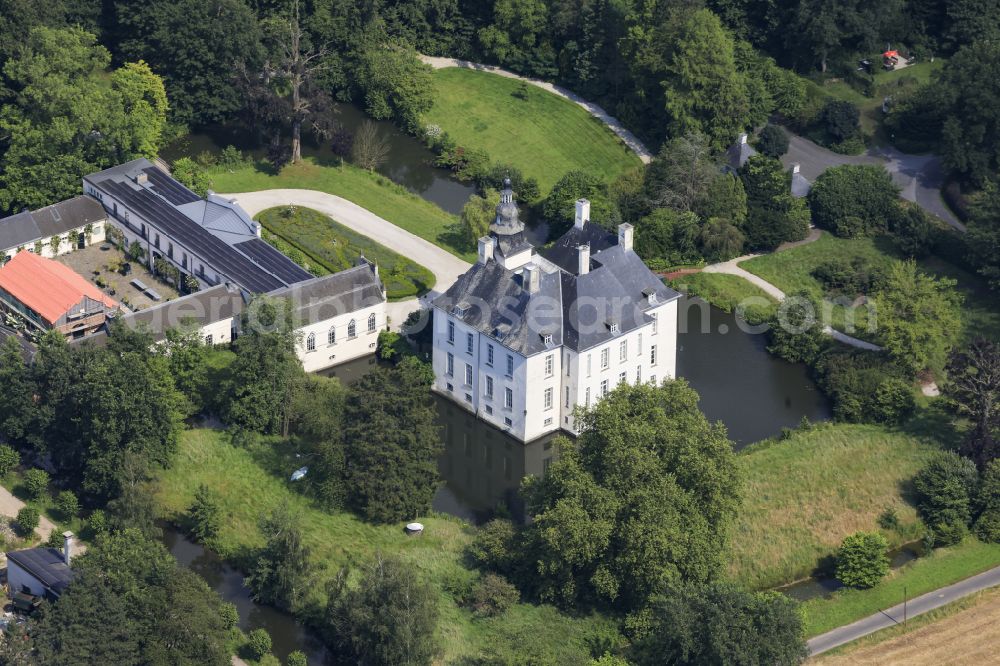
x=614, y=327
x=547, y=339
x=460, y=310
x=650, y=295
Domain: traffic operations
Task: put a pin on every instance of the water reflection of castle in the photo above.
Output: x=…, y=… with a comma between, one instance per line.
x=482, y=466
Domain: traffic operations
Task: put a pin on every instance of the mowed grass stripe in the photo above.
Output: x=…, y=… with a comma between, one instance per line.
x=541, y=133
x=336, y=248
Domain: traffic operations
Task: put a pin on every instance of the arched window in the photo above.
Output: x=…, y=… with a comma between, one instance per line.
x=331, y=336
x=371, y=323
x=352, y=329
x=311, y=342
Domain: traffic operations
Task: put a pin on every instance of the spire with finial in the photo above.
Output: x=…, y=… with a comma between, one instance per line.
x=507, y=222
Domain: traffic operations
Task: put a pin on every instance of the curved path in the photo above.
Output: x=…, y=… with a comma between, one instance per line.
x=445, y=266
x=732, y=267
x=631, y=140
x=893, y=616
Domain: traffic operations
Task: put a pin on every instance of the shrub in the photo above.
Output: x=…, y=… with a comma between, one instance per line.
x=97, y=522
x=840, y=119
x=889, y=519
x=858, y=276
x=860, y=191
x=987, y=526
x=943, y=493
x=231, y=158
x=297, y=658
x=495, y=545
x=36, y=482
x=773, y=141
x=9, y=459
x=27, y=520
x=67, y=505
x=493, y=596
x=864, y=387
x=205, y=515
x=913, y=232
x=258, y=643
x=862, y=560
x=795, y=332
x=230, y=616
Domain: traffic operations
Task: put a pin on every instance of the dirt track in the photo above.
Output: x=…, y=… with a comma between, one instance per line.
x=971, y=636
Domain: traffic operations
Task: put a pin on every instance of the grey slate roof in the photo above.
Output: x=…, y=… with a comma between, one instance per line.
x=615, y=290
x=162, y=202
x=325, y=297
x=26, y=228
x=45, y=564
x=576, y=310
x=563, y=253
x=800, y=185
x=205, y=307
x=738, y=154
x=492, y=299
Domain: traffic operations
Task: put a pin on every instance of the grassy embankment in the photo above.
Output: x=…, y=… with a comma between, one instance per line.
x=334, y=247
x=371, y=191
x=803, y=495
x=727, y=292
x=541, y=133
x=791, y=271
x=253, y=482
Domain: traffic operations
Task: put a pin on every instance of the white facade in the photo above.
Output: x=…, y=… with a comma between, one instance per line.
x=545, y=388
x=49, y=250
x=343, y=338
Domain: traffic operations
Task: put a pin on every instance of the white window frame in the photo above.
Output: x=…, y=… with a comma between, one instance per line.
x=450, y=369
x=623, y=351
x=508, y=397
x=468, y=374
x=549, y=365
x=489, y=387
x=605, y=358
x=311, y=342
x=547, y=398
x=470, y=343
x=451, y=332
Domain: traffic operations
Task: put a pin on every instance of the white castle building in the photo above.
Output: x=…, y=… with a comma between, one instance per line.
x=523, y=338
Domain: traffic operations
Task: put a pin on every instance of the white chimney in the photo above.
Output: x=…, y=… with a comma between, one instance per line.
x=796, y=167
x=67, y=547
x=582, y=213
x=141, y=178
x=582, y=259
x=743, y=138
x=486, y=246
x=625, y=236
x=529, y=279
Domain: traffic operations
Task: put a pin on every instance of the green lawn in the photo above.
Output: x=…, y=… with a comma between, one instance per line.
x=791, y=271
x=727, y=292
x=371, y=191
x=335, y=247
x=803, y=495
x=251, y=482
x=943, y=567
x=540, y=133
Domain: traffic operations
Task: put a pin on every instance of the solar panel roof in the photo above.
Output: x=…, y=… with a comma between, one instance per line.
x=179, y=226
x=263, y=254
x=169, y=188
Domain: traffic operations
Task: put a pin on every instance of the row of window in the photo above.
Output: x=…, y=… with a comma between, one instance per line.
x=331, y=335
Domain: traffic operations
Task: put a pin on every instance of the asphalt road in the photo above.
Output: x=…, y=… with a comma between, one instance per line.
x=894, y=615
x=445, y=266
x=919, y=176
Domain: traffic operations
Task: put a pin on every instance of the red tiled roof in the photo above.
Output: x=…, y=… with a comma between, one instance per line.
x=46, y=286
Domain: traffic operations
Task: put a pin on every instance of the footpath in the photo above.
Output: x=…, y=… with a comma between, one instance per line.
x=895, y=615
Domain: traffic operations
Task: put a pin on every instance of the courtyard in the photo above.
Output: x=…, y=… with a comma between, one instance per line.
x=101, y=264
